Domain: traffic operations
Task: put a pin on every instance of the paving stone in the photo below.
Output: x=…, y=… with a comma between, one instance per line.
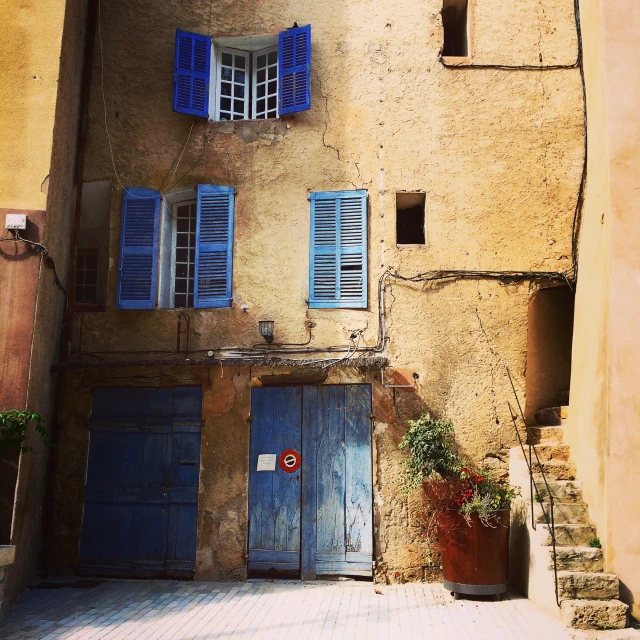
x=261, y=609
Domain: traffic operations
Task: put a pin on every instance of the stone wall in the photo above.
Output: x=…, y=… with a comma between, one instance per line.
x=498, y=154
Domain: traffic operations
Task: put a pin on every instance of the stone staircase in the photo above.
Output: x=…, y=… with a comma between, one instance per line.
x=588, y=596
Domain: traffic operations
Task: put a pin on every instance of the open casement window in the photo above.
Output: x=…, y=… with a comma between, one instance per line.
x=253, y=77
x=139, y=231
x=338, y=258
x=192, y=256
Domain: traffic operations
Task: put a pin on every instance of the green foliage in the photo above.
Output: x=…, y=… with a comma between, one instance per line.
x=539, y=498
x=432, y=447
x=13, y=428
x=594, y=543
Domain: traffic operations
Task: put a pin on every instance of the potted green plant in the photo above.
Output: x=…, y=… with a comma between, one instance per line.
x=466, y=511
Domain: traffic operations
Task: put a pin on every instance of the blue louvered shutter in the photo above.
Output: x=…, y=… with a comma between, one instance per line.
x=338, y=270
x=192, y=70
x=139, y=232
x=214, y=246
x=294, y=70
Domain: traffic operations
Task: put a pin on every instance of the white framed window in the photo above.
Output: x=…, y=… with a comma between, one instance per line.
x=183, y=254
x=265, y=83
x=232, y=96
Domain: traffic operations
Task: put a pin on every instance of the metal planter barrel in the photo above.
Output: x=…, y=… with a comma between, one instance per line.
x=474, y=558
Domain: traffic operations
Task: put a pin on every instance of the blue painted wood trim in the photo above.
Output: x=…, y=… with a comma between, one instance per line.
x=130, y=194
x=291, y=76
x=209, y=302
x=309, y=447
x=314, y=251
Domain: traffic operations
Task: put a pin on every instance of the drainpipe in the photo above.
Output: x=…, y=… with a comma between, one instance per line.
x=81, y=144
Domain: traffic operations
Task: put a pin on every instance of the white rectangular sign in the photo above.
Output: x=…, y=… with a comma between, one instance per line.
x=267, y=462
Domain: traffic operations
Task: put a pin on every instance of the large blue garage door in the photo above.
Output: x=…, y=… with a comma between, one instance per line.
x=141, y=496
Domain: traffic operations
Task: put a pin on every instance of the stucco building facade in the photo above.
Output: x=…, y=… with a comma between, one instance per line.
x=495, y=155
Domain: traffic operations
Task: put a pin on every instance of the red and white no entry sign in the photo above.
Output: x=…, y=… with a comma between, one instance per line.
x=289, y=460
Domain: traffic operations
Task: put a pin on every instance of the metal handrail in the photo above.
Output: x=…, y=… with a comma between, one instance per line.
x=550, y=519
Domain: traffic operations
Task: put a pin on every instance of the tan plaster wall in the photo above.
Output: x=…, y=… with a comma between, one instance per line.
x=41, y=52
x=498, y=154
x=605, y=413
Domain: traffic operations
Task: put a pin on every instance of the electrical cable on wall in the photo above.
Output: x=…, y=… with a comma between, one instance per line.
x=44, y=255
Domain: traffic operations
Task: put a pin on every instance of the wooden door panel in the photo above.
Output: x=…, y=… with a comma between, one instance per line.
x=330, y=472
x=274, y=496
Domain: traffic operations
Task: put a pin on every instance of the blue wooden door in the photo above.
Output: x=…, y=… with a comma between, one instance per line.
x=274, y=495
x=142, y=479
x=324, y=526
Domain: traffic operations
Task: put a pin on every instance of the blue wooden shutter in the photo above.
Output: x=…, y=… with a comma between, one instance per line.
x=214, y=246
x=338, y=270
x=139, y=230
x=294, y=70
x=192, y=71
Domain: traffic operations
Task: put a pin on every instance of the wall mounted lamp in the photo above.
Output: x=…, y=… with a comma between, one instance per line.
x=266, y=330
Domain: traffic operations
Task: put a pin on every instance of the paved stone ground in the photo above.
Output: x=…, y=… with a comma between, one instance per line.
x=268, y=610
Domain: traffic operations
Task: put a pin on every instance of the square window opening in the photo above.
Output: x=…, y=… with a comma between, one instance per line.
x=410, y=217
x=455, y=24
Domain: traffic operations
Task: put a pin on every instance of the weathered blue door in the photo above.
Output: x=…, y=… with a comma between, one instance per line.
x=319, y=519
x=274, y=495
x=141, y=495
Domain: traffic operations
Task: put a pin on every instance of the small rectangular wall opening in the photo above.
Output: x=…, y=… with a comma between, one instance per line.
x=455, y=24
x=410, y=206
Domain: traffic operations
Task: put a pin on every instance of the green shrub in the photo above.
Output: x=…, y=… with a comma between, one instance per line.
x=13, y=428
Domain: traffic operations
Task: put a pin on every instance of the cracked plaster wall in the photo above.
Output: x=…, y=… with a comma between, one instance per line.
x=498, y=154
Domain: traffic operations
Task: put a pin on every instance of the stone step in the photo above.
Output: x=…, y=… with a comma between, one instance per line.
x=545, y=435
x=548, y=452
x=587, y=585
x=563, y=513
x=561, y=490
x=577, y=559
x=568, y=535
x=555, y=469
x=552, y=416
x=594, y=614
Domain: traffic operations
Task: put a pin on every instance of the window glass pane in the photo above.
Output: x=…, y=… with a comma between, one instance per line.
x=260, y=106
x=273, y=87
x=227, y=59
x=261, y=75
x=225, y=88
x=238, y=90
x=262, y=61
x=238, y=106
x=225, y=104
x=184, y=253
x=240, y=62
x=260, y=91
x=227, y=73
x=272, y=103
x=273, y=73
x=273, y=57
x=239, y=77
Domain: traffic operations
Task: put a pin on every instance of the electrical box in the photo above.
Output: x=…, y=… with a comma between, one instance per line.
x=16, y=221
